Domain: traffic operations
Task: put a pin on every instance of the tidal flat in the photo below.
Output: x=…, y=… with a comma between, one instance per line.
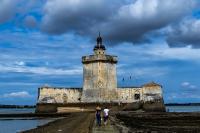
x=126, y=122
x=166, y=122
x=181, y=119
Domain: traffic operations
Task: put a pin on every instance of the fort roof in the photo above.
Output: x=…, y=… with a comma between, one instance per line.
x=151, y=84
x=99, y=44
x=126, y=87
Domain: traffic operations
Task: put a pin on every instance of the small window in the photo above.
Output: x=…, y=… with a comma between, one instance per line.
x=137, y=96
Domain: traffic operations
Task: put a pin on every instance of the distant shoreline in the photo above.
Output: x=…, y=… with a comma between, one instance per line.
x=17, y=106
x=182, y=104
x=33, y=106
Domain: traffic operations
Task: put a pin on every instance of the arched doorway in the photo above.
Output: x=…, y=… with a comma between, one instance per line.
x=137, y=95
x=65, y=98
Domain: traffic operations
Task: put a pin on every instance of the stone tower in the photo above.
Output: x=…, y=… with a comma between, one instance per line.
x=99, y=75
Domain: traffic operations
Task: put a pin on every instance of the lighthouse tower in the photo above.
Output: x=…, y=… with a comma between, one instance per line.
x=99, y=75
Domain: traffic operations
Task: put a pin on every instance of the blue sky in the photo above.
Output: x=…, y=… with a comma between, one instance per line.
x=41, y=42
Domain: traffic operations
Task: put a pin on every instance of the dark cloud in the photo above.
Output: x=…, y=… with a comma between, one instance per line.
x=81, y=16
x=120, y=21
x=186, y=33
x=21, y=12
x=30, y=21
x=7, y=10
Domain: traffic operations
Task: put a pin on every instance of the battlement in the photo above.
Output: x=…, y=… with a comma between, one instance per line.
x=99, y=58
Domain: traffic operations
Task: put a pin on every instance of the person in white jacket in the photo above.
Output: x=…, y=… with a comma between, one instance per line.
x=106, y=115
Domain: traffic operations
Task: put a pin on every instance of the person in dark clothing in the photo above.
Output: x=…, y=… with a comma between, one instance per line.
x=98, y=115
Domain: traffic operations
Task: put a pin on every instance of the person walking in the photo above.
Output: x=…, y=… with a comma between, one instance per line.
x=98, y=115
x=106, y=115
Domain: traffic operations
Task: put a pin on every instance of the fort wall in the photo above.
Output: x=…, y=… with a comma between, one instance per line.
x=148, y=98
x=146, y=93
x=129, y=94
x=59, y=95
x=152, y=92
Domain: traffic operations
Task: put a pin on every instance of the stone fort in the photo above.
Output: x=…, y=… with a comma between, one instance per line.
x=100, y=84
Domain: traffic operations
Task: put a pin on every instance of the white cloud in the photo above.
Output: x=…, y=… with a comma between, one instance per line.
x=21, y=94
x=188, y=85
x=20, y=63
x=40, y=70
x=163, y=51
x=145, y=9
x=143, y=71
x=192, y=86
x=185, y=84
x=157, y=51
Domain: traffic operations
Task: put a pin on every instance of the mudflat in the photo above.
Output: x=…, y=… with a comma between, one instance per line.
x=160, y=122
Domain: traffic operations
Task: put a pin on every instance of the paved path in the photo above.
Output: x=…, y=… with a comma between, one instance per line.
x=109, y=128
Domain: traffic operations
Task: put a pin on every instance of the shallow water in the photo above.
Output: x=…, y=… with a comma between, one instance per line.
x=13, y=126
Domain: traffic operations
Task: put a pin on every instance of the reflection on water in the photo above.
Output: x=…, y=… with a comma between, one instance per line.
x=13, y=126
x=183, y=108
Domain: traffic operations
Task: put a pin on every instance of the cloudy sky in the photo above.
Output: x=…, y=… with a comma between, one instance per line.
x=42, y=41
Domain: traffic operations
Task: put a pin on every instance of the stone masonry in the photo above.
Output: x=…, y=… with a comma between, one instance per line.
x=99, y=76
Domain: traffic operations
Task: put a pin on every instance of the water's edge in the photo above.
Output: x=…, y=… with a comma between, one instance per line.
x=25, y=119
